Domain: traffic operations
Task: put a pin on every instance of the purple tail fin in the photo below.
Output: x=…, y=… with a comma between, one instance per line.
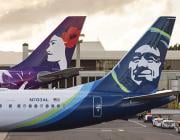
x=55, y=52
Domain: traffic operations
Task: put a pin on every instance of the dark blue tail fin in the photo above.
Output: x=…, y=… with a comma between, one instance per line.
x=55, y=52
x=139, y=71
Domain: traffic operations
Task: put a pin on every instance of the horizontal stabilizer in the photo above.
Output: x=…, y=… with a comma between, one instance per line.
x=51, y=76
x=156, y=95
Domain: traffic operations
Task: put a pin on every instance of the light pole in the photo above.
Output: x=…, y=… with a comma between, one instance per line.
x=25, y=50
x=78, y=61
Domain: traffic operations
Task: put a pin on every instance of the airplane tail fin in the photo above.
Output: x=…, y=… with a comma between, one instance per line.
x=139, y=70
x=55, y=52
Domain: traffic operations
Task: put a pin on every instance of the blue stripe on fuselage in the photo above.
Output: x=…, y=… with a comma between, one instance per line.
x=83, y=93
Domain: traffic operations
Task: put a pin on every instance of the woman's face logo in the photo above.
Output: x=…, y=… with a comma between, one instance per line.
x=56, y=49
x=145, y=64
x=56, y=52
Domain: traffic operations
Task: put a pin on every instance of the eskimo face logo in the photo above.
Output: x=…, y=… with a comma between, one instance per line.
x=145, y=64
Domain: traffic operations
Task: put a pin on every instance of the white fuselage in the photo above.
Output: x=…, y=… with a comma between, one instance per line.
x=17, y=106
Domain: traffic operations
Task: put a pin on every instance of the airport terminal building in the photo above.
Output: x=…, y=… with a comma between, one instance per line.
x=96, y=62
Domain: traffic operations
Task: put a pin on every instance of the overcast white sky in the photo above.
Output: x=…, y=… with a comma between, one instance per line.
x=118, y=24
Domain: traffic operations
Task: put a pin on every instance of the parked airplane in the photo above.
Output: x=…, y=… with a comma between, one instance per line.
x=129, y=88
x=49, y=61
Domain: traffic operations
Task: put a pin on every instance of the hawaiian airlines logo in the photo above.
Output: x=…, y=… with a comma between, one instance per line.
x=145, y=64
x=57, y=46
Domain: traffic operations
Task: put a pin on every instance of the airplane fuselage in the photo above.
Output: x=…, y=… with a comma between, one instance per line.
x=46, y=110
